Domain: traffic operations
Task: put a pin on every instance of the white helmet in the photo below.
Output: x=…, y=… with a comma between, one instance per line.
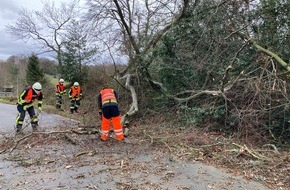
x=37, y=87
x=61, y=81
x=76, y=84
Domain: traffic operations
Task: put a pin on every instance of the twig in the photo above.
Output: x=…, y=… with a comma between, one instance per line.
x=19, y=140
x=151, y=139
x=34, y=133
x=251, y=152
x=52, y=132
x=273, y=146
x=210, y=145
x=4, y=150
x=167, y=146
x=82, y=131
x=90, y=153
x=79, y=131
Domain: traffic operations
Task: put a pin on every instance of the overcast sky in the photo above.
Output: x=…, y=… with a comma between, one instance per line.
x=9, y=10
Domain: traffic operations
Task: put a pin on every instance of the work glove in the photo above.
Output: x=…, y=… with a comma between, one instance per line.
x=39, y=109
x=24, y=108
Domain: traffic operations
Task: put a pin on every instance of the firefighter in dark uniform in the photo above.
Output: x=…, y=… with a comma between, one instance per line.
x=25, y=103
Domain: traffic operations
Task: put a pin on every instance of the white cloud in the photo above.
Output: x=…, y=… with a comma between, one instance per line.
x=9, y=11
x=8, y=5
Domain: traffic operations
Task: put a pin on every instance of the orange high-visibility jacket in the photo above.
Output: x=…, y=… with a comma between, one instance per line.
x=107, y=97
x=59, y=87
x=75, y=92
x=28, y=96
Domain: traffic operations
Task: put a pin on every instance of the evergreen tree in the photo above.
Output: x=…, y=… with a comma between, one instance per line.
x=76, y=54
x=33, y=72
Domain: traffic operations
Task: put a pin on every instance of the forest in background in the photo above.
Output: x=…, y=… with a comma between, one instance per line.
x=216, y=65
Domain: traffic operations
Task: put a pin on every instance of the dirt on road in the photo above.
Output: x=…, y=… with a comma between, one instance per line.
x=59, y=157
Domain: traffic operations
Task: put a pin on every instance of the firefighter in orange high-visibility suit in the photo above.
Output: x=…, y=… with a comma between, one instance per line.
x=75, y=96
x=109, y=110
x=59, y=91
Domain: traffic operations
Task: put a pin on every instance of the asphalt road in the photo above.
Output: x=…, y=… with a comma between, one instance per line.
x=8, y=114
x=53, y=164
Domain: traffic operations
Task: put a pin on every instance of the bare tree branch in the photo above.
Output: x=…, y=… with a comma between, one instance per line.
x=47, y=27
x=264, y=50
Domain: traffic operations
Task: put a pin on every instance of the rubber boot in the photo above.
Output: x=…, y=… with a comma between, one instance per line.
x=18, y=128
x=34, y=127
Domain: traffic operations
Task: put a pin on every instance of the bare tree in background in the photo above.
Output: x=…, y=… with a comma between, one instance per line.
x=13, y=72
x=46, y=28
x=134, y=28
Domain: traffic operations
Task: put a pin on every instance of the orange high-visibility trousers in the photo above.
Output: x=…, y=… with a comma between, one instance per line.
x=117, y=126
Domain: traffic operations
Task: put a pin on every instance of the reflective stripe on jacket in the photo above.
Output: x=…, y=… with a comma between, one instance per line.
x=75, y=92
x=28, y=96
x=107, y=97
